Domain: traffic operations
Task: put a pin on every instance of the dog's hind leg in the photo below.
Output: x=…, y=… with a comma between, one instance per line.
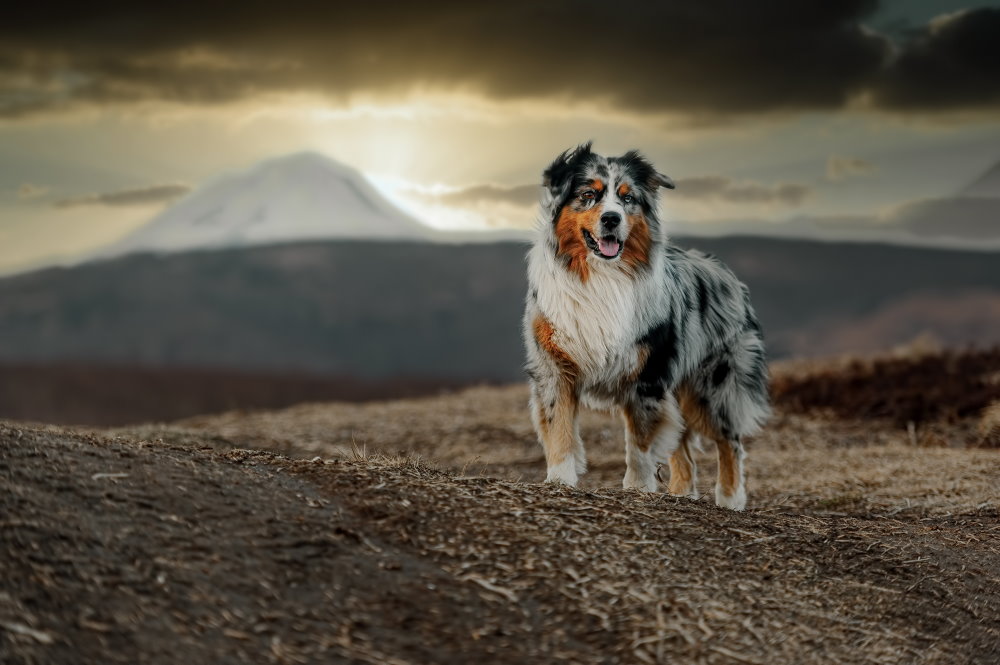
x=730, y=489
x=683, y=471
x=652, y=428
x=699, y=414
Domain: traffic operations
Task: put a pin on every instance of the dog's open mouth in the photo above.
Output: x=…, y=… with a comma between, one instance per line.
x=606, y=247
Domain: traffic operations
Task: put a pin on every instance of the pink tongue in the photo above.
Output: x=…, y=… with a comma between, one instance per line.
x=608, y=247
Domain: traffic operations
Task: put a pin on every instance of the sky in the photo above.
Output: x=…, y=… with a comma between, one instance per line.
x=774, y=113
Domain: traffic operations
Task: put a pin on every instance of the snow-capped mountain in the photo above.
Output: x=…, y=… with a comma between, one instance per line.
x=304, y=196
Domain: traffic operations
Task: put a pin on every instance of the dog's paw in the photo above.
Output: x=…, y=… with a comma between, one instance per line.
x=738, y=501
x=635, y=481
x=563, y=473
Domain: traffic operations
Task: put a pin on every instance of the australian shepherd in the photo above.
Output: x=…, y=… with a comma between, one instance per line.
x=618, y=319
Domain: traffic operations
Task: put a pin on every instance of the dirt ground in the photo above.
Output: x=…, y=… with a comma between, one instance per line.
x=414, y=531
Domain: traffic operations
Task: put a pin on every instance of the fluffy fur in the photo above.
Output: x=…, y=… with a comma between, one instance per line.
x=618, y=319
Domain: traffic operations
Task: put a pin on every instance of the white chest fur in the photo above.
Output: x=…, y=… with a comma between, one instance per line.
x=597, y=321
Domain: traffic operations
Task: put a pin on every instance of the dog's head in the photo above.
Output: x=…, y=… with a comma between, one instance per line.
x=603, y=209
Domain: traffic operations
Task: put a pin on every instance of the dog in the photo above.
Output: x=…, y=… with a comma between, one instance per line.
x=618, y=319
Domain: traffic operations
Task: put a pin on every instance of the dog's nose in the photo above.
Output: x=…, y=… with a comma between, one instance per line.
x=611, y=220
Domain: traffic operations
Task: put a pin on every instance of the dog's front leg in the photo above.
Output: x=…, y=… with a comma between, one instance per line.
x=554, y=408
x=652, y=429
x=554, y=404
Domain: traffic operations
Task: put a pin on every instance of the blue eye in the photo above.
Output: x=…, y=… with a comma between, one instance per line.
x=628, y=199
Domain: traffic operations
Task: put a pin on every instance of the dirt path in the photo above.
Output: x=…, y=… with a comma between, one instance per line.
x=125, y=550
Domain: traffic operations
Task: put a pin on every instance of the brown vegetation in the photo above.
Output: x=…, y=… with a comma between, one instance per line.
x=947, y=386
x=413, y=531
x=120, y=550
x=989, y=426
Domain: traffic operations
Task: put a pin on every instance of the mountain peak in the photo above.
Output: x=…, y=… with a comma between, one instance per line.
x=301, y=196
x=306, y=159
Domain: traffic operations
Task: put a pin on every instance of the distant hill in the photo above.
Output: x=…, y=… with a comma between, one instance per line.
x=389, y=309
x=971, y=214
x=371, y=309
x=971, y=218
x=987, y=185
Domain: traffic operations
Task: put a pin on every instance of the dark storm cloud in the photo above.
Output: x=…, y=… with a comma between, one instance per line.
x=128, y=197
x=520, y=195
x=711, y=57
x=720, y=188
x=953, y=62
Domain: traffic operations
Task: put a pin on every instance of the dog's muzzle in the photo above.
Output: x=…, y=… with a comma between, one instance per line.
x=608, y=246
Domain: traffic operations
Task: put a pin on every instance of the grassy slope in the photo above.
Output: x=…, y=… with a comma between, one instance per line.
x=866, y=542
x=215, y=555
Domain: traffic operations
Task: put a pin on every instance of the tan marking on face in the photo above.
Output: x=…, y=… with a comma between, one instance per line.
x=623, y=189
x=639, y=243
x=569, y=235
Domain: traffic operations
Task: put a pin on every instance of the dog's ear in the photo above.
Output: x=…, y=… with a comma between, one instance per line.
x=643, y=172
x=660, y=180
x=559, y=175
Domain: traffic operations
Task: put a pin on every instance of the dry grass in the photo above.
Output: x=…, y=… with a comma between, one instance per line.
x=989, y=426
x=806, y=463
x=414, y=531
x=917, y=387
x=210, y=556
x=650, y=578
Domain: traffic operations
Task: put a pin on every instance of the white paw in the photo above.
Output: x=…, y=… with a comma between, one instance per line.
x=738, y=501
x=637, y=481
x=563, y=473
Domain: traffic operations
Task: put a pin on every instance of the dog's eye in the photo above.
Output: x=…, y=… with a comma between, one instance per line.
x=587, y=195
x=628, y=199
